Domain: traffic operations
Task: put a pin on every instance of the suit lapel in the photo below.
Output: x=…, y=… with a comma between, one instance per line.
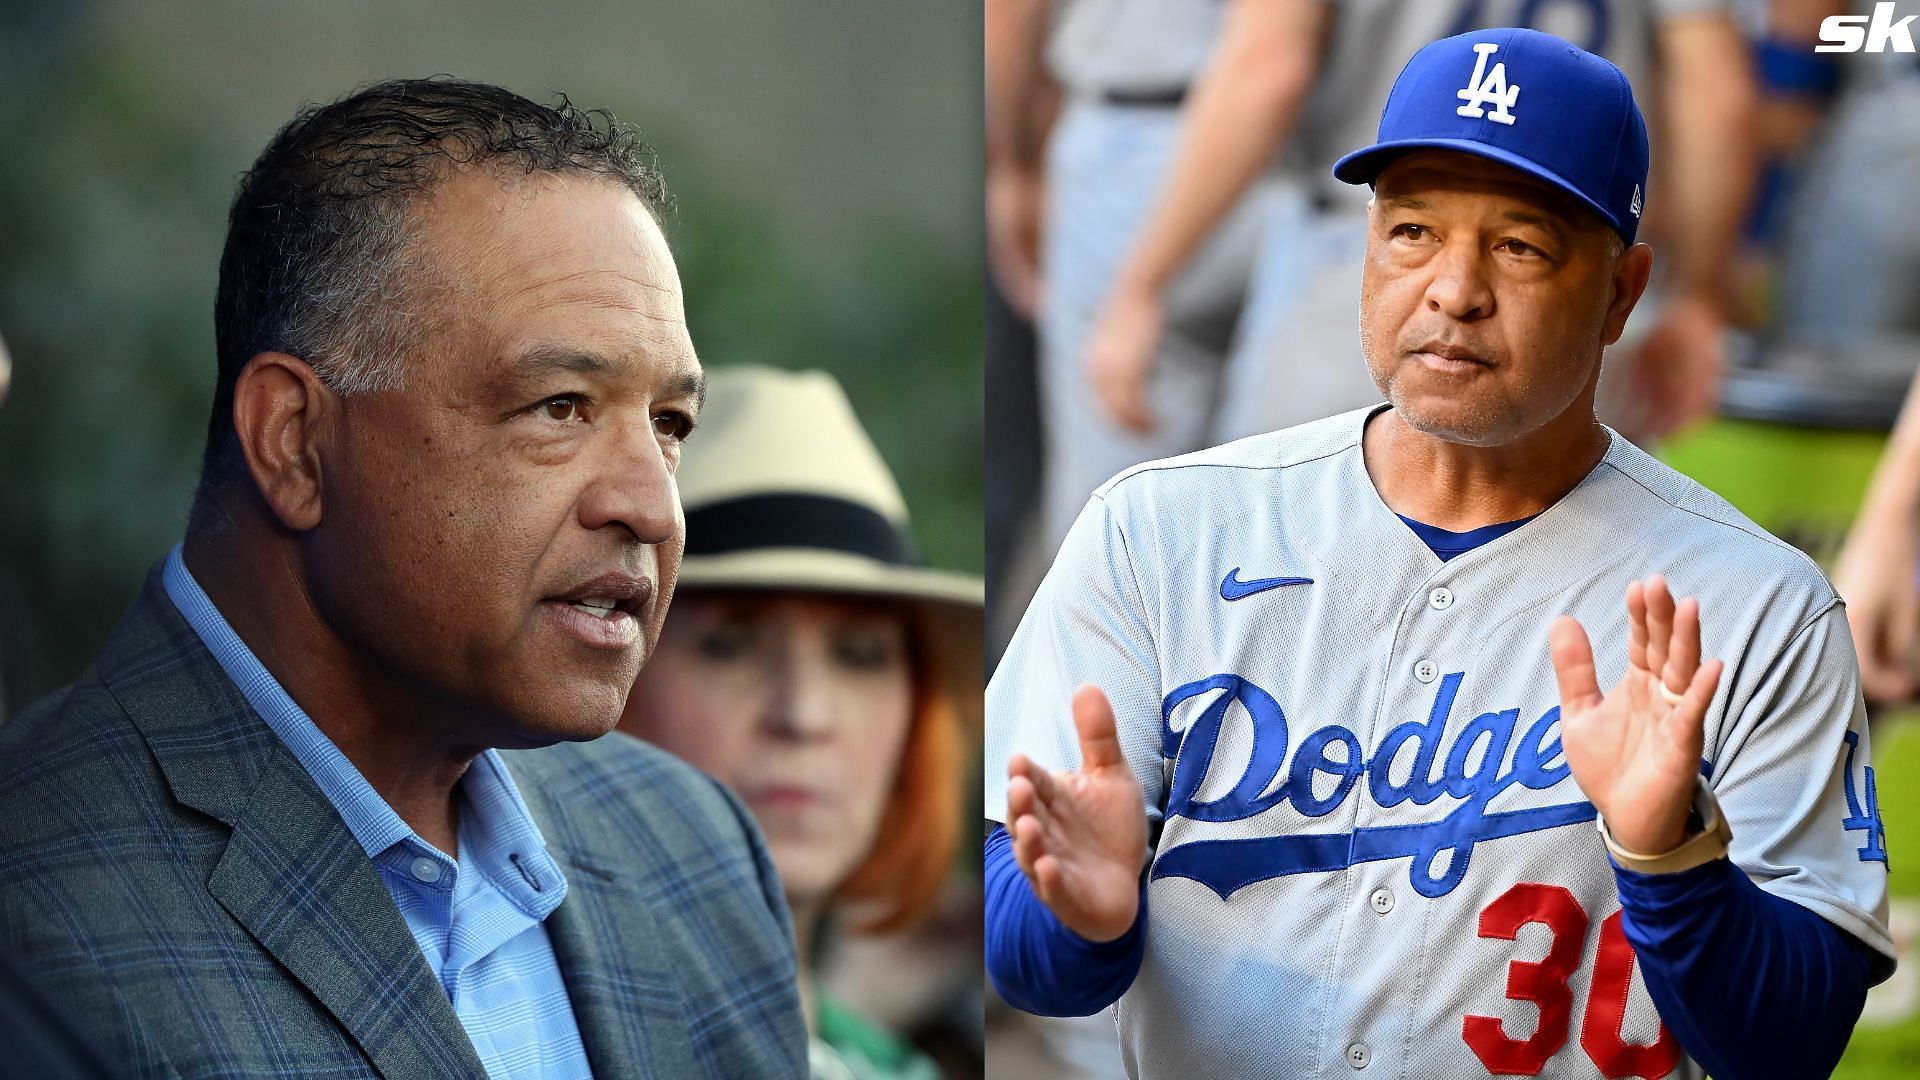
x=628, y=1001
x=296, y=879
x=291, y=873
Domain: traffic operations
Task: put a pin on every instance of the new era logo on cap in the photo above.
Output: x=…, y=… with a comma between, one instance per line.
x=1579, y=131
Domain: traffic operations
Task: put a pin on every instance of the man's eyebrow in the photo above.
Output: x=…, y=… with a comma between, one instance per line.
x=693, y=384
x=1405, y=202
x=550, y=359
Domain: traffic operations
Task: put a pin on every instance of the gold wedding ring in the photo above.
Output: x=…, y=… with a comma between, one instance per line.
x=1671, y=697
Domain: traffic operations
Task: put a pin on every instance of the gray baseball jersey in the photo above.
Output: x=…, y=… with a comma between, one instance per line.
x=1371, y=851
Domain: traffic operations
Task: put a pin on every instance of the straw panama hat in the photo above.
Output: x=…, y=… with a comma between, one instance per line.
x=784, y=490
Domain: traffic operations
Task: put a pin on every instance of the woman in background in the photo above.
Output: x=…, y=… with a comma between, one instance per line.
x=812, y=665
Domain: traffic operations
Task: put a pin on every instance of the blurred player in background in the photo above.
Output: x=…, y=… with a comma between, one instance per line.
x=1846, y=284
x=811, y=664
x=1059, y=226
x=1845, y=277
x=1878, y=565
x=1848, y=280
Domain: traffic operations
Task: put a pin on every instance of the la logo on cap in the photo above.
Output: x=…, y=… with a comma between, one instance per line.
x=1488, y=88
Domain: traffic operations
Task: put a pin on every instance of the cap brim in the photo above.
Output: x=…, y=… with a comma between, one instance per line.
x=1365, y=166
x=950, y=606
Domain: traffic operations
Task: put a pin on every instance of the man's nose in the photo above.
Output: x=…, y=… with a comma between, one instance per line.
x=633, y=487
x=1459, y=287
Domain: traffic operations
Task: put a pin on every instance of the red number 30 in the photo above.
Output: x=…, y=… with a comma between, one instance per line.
x=1545, y=984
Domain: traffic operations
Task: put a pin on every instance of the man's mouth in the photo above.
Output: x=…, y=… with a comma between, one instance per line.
x=600, y=606
x=603, y=612
x=609, y=595
x=1451, y=353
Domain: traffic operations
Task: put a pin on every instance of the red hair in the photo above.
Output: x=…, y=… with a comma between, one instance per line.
x=913, y=852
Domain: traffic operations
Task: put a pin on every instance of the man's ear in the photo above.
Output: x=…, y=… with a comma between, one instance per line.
x=1631, y=271
x=281, y=414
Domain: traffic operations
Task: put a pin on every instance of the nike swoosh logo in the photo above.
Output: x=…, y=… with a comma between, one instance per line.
x=1232, y=588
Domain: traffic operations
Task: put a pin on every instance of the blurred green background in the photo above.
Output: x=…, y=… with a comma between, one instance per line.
x=825, y=158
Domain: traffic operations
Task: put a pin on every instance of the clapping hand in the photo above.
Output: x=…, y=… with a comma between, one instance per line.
x=1635, y=750
x=1081, y=837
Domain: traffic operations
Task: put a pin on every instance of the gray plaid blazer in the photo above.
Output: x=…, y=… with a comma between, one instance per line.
x=171, y=875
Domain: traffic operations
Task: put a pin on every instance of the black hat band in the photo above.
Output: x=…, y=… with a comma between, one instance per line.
x=798, y=521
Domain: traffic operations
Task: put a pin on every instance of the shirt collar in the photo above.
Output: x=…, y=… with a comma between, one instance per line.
x=499, y=833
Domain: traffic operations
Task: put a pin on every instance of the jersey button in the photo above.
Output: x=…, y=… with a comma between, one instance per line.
x=1440, y=599
x=1358, y=1055
x=1381, y=900
x=1426, y=671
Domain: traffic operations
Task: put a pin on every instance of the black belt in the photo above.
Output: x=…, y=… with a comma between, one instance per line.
x=1171, y=98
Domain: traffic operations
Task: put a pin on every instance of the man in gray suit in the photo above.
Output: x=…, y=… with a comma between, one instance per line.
x=330, y=801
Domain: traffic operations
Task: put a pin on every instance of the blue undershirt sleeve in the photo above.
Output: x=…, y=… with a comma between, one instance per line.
x=1751, y=984
x=1035, y=962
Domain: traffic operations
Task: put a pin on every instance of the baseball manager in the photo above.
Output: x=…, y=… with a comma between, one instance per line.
x=1342, y=705
x=334, y=800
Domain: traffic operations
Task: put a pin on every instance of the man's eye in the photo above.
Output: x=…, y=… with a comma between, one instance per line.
x=1519, y=247
x=673, y=425
x=1411, y=232
x=563, y=408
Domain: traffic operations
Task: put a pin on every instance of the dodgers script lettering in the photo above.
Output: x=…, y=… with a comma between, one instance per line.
x=1488, y=756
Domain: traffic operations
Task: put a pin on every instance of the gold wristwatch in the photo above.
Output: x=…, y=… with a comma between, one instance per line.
x=1697, y=849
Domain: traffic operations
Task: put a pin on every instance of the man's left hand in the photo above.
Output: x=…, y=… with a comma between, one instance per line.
x=1636, y=750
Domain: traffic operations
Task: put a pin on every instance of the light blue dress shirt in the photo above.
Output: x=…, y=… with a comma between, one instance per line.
x=479, y=920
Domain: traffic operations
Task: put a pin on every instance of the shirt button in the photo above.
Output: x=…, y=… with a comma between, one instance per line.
x=1440, y=599
x=426, y=869
x=1426, y=671
x=1381, y=900
x=1358, y=1055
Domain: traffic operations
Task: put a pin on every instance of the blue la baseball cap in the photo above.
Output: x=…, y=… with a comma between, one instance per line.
x=1527, y=100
